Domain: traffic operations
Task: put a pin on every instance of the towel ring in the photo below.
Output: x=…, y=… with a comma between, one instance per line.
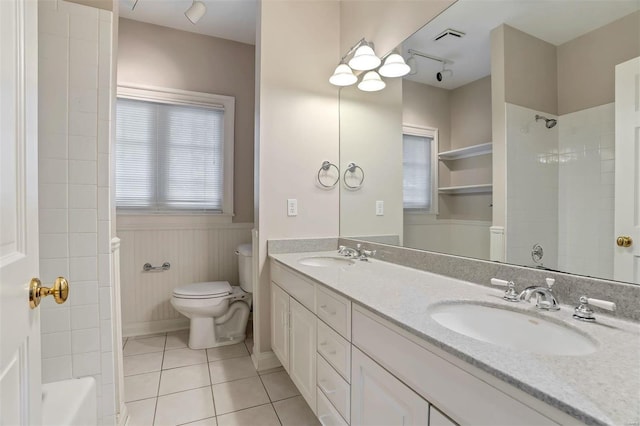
x=326, y=165
x=351, y=168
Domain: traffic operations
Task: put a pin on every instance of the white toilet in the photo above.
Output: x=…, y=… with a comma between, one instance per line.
x=218, y=311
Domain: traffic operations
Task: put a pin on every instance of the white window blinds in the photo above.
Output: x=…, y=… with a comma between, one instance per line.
x=168, y=157
x=417, y=164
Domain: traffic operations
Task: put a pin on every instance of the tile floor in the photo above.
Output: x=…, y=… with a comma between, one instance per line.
x=166, y=383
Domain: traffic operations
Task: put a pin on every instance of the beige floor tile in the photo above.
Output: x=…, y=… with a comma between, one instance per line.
x=144, y=346
x=184, y=407
x=295, y=412
x=239, y=394
x=263, y=415
x=270, y=370
x=211, y=421
x=141, y=386
x=183, y=357
x=230, y=369
x=141, y=412
x=249, y=344
x=279, y=386
x=184, y=378
x=177, y=340
x=225, y=352
x=138, y=364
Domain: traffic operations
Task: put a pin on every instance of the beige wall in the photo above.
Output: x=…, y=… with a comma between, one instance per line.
x=471, y=114
x=100, y=4
x=530, y=71
x=386, y=23
x=159, y=56
x=586, y=65
x=298, y=129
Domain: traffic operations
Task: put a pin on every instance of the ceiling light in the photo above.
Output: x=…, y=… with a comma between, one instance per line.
x=196, y=11
x=364, y=59
x=343, y=76
x=371, y=82
x=394, y=66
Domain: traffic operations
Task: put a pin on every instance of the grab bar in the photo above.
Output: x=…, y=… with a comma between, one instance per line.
x=147, y=267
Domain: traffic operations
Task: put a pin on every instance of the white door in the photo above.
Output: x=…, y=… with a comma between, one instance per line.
x=302, y=354
x=20, y=379
x=627, y=181
x=378, y=398
x=280, y=324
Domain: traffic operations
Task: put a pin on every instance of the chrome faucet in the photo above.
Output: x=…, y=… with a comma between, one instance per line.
x=545, y=299
x=347, y=251
x=357, y=253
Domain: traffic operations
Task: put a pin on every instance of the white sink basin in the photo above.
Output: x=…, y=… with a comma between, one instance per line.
x=511, y=329
x=325, y=261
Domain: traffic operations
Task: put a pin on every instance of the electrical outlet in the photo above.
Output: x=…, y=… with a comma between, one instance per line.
x=379, y=208
x=292, y=207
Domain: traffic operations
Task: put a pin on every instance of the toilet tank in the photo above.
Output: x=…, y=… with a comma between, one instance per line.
x=245, y=266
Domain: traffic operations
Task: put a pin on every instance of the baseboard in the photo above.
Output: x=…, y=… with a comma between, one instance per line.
x=123, y=416
x=151, y=327
x=265, y=360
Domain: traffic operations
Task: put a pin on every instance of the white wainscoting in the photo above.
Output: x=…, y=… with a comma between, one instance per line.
x=198, y=249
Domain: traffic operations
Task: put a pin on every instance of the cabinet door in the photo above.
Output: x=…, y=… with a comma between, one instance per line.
x=302, y=362
x=378, y=398
x=436, y=418
x=280, y=324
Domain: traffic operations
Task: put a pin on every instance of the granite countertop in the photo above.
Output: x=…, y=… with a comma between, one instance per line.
x=598, y=388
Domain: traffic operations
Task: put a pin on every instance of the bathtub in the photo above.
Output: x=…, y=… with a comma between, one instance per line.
x=70, y=402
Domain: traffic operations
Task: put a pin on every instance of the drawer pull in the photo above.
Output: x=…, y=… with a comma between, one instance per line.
x=324, y=308
x=325, y=390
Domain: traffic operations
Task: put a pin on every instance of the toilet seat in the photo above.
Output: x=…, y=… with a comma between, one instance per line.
x=204, y=290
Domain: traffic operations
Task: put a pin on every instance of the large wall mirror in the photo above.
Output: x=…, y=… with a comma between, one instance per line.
x=501, y=142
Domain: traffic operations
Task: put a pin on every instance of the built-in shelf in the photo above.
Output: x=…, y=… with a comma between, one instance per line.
x=470, y=151
x=467, y=189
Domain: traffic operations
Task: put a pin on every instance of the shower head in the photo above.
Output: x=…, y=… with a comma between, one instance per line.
x=550, y=123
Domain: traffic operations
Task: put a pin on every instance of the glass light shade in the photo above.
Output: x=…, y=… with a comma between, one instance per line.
x=364, y=59
x=371, y=82
x=394, y=66
x=343, y=76
x=196, y=12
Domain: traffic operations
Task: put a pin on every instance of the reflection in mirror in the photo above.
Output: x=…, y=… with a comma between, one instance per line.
x=501, y=142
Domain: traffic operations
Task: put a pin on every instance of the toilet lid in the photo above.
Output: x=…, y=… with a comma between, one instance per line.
x=203, y=290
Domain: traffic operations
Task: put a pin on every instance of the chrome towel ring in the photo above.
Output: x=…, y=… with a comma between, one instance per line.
x=351, y=168
x=326, y=165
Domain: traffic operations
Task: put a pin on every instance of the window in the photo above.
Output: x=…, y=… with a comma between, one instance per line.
x=419, y=161
x=174, y=151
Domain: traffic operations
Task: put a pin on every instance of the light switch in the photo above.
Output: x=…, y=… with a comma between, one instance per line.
x=292, y=207
x=379, y=208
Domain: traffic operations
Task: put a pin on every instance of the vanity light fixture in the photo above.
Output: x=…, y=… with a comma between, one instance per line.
x=371, y=82
x=394, y=66
x=365, y=58
x=196, y=11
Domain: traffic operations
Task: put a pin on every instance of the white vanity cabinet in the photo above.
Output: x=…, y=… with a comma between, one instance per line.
x=302, y=350
x=280, y=324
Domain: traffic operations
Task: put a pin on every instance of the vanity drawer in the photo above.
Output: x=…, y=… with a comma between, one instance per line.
x=327, y=414
x=335, y=310
x=334, y=387
x=298, y=287
x=335, y=349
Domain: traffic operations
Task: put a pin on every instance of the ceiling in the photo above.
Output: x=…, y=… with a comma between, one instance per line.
x=228, y=19
x=554, y=21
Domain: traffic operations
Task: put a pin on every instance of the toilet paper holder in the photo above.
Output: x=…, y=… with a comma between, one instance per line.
x=147, y=267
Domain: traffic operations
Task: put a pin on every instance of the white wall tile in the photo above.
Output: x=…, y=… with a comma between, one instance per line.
x=83, y=268
x=104, y=237
x=84, y=293
x=83, y=100
x=86, y=364
x=106, y=336
x=104, y=204
x=83, y=54
x=105, y=303
x=84, y=244
x=107, y=368
x=83, y=196
x=54, y=369
x=55, y=320
x=53, y=170
x=54, y=246
x=83, y=220
x=56, y=344
x=85, y=316
x=84, y=28
x=85, y=340
x=104, y=270
x=52, y=221
x=104, y=145
x=50, y=269
x=83, y=148
x=52, y=145
x=108, y=400
x=53, y=47
x=83, y=124
x=104, y=167
x=52, y=22
x=52, y=196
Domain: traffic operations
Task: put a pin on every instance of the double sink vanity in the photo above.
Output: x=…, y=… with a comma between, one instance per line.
x=369, y=342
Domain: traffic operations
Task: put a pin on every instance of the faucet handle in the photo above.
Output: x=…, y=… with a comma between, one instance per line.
x=550, y=282
x=510, y=294
x=583, y=312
